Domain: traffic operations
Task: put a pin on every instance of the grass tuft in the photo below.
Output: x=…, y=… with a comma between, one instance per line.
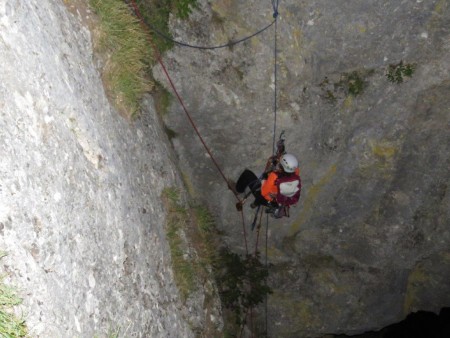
x=183, y=266
x=10, y=325
x=240, y=280
x=124, y=40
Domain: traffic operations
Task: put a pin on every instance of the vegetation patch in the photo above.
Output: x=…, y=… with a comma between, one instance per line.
x=190, y=230
x=10, y=325
x=241, y=279
x=183, y=266
x=345, y=86
x=156, y=15
x=124, y=44
x=207, y=234
x=396, y=73
x=242, y=282
x=184, y=7
x=355, y=83
x=124, y=41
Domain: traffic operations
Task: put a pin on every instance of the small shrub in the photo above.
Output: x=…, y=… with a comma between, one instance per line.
x=395, y=73
x=241, y=281
x=156, y=14
x=355, y=83
x=184, y=7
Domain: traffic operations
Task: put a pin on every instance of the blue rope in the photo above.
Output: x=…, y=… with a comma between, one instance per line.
x=265, y=303
x=275, y=8
x=275, y=16
x=275, y=80
x=229, y=44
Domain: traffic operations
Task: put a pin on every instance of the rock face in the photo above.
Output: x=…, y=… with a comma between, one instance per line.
x=81, y=217
x=369, y=241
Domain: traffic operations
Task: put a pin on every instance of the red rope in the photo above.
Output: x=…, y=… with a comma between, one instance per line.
x=188, y=115
x=257, y=231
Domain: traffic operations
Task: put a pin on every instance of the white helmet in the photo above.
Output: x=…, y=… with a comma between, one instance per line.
x=289, y=163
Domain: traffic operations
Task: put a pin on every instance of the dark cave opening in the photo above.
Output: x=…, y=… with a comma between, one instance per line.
x=421, y=324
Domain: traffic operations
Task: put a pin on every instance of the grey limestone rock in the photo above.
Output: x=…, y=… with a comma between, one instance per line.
x=81, y=217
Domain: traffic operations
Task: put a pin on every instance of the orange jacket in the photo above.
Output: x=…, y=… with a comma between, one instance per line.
x=269, y=188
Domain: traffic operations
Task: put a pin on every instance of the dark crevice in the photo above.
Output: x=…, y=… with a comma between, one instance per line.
x=421, y=324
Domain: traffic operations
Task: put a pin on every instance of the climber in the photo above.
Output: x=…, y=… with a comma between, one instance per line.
x=278, y=187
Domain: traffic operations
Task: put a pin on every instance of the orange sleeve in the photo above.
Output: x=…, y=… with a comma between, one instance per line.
x=269, y=187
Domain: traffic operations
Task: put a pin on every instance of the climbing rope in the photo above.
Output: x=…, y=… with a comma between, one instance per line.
x=149, y=28
x=275, y=15
x=275, y=4
x=265, y=300
x=188, y=115
x=229, y=44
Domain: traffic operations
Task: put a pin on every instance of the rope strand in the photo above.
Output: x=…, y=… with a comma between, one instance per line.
x=229, y=44
x=275, y=91
x=275, y=4
x=265, y=301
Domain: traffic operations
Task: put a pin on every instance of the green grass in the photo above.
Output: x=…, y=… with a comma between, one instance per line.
x=205, y=221
x=125, y=43
x=124, y=40
x=240, y=279
x=156, y=14
x=207, y=236
x=10, y=325
x=184, y=268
